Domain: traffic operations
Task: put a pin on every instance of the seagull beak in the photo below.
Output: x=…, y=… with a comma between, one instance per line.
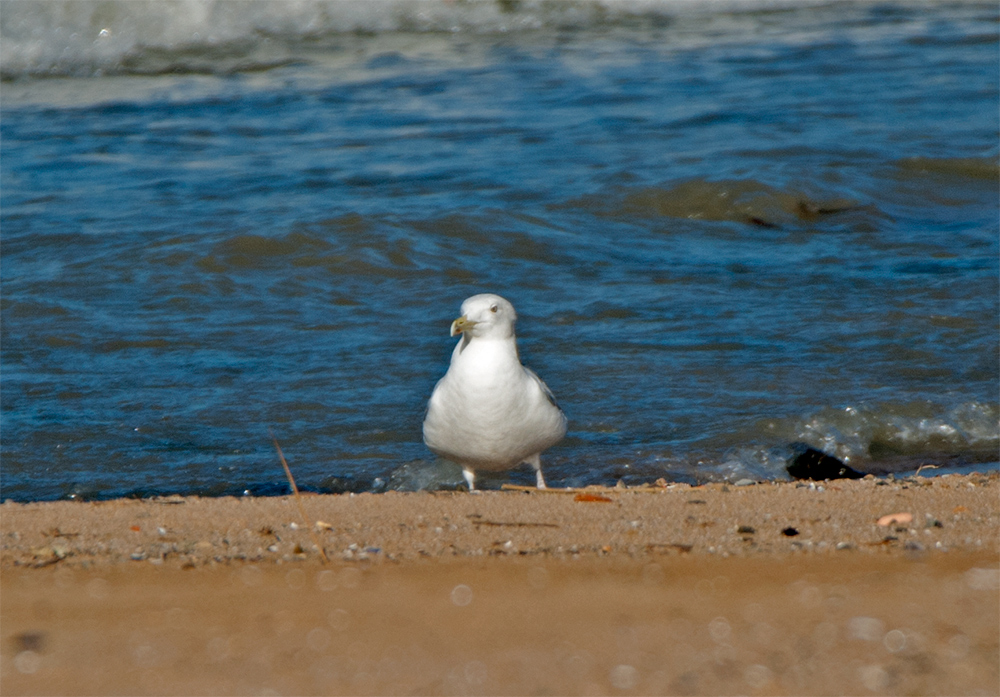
x=461, y=324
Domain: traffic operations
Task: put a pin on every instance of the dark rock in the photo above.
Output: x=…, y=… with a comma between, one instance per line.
x=29, y=641
x=789, y=532
x=810, y=463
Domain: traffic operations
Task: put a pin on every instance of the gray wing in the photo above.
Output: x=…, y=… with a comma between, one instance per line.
x=545, y=388
x=427, y=408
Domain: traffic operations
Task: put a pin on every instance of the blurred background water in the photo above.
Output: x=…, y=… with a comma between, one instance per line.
x=726, y=227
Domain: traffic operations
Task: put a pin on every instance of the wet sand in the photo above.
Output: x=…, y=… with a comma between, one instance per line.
x=782, y=588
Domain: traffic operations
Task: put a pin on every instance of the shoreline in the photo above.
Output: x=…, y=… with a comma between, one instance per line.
x=681, y=590
x=950, y=512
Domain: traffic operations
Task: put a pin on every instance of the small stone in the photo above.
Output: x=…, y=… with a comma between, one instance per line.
x=896, y=518
x=46, y=554
x=30, y=641
x=744, y=482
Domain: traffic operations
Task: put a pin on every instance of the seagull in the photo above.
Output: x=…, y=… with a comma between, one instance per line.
x=489, y=412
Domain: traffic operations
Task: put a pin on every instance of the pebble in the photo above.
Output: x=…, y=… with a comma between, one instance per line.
x=932, y=522
x=896, y=518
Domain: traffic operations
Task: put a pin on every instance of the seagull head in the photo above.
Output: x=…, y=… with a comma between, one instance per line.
x=485, y=315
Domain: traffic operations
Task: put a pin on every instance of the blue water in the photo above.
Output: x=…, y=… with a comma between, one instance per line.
x=723, y=231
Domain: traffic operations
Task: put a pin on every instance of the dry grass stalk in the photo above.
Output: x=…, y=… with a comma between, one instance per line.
x=298, y=498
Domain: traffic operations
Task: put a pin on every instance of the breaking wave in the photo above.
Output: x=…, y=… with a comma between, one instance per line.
x=87, y=37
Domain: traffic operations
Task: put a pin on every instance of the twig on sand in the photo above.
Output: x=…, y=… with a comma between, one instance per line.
x=298, y=499
x=586, y=490
x=475, y=519
x=535, y=490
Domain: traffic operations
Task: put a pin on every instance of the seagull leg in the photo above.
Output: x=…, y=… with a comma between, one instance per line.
x=536, y=462
x=470, y=478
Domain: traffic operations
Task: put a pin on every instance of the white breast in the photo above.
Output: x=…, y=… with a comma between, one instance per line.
x=489, y=412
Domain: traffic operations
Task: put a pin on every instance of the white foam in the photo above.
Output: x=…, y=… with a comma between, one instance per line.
x=86, y=37
x=850, y=433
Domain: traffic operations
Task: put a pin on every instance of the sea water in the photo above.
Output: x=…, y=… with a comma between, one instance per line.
x=726, y=227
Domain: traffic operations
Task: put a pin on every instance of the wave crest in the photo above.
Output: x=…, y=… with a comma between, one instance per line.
x=87, y=37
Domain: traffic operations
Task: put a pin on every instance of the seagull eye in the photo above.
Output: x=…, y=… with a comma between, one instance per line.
x=493, y=309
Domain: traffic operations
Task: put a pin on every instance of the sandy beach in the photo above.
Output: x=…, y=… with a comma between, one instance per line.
x=845, y=587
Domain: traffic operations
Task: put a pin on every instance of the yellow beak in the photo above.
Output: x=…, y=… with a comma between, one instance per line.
x=461, y=324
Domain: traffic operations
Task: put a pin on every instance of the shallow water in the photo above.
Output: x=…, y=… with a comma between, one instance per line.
x=724, y=231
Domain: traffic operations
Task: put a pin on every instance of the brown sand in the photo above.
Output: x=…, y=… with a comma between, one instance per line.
x=670, y=591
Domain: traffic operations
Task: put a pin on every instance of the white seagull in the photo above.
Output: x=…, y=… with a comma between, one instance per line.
x=489, y=412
